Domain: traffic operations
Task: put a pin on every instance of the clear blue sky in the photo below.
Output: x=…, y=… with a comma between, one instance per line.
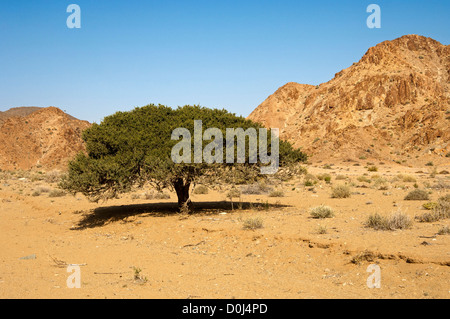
x=219, y=54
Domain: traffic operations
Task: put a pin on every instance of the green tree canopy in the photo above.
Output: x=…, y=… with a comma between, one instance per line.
x=132, y=148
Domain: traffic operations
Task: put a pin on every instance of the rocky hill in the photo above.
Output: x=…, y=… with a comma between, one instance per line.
x=44, y=138
x=392, y=105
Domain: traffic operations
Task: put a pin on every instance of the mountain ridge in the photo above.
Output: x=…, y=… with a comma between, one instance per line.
x=392, y=104
x=44, y=138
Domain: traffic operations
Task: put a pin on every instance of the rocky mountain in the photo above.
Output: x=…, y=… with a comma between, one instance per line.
x=44, y=138
x=17, y=111
x=392, y=105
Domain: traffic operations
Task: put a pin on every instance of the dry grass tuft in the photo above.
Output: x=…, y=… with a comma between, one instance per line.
x=397, y=220
x=321, y=212
x=340, y=191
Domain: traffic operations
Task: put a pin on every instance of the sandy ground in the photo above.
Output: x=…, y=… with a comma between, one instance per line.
x=136, y=248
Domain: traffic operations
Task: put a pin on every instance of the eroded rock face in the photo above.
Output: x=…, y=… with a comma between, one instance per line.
x=47, y=138
x=395, y=99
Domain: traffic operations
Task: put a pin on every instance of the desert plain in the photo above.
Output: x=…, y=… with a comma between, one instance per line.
x=140, y=247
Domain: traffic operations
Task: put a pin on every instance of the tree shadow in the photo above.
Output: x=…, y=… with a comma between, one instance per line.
x=109, y=214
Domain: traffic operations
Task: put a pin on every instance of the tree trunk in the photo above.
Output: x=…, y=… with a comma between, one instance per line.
x=182, y=189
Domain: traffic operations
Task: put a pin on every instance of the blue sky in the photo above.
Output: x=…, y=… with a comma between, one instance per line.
x=219, y=54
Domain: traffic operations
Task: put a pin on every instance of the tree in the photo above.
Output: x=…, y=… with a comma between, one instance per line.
x=133, y=148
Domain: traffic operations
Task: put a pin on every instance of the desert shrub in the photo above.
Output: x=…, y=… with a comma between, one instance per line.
x=155, y=195
x=233, y=193
x=340, y=177
x=417, y=194
x=363, y=179
x=322, y=230
x=310, y=177
x=376, y=221
x=443, y=207
x=340, y=191
x=200, y=190
x=430, y=217
x=52, y=177
x=380, y=183
x=445, y=198
x=444, y=172
x=440, y=184
x=445, y=230
x=441, y=210
x=35, y=193
x=433, y=172
x=39, y=190
x=308, y=183
x=406, y=178
x=57, y=193
x=135, y=196
x=277, y=193
x=321, y=212
x=161, y=195
x=429, y=205
x=397, y=220
x=372, y=168
x=400, y=221
x=256, y=189
x=252, y=223
x=429, y=164
x=148, y=195
x=324, y=177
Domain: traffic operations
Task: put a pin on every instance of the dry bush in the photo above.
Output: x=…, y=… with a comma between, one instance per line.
x=39, y=190
x=233, y=193
x=363, y=179
x=340, y=177
x=340, y=191
x=405, y=178
x=277, y=193
x=252, y=223
x=322, y=230
x=256, y=189
x=156, y=195
x=380, y=183
x=417, y=194
x=440, y=185
x=445, y=230
x=429, y=205
x=200, y=190
x=52, y=177
x=135, y=196
x=57, y=193
x=161, y=195
x=372, y=168
x=428, y=217
x=397, y=220
x=311, y=177
x=4, y=175
x=439, y=211
x=321, y=212
x=324, y=177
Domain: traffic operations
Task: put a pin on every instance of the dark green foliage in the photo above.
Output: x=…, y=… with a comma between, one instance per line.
x=132, y=148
